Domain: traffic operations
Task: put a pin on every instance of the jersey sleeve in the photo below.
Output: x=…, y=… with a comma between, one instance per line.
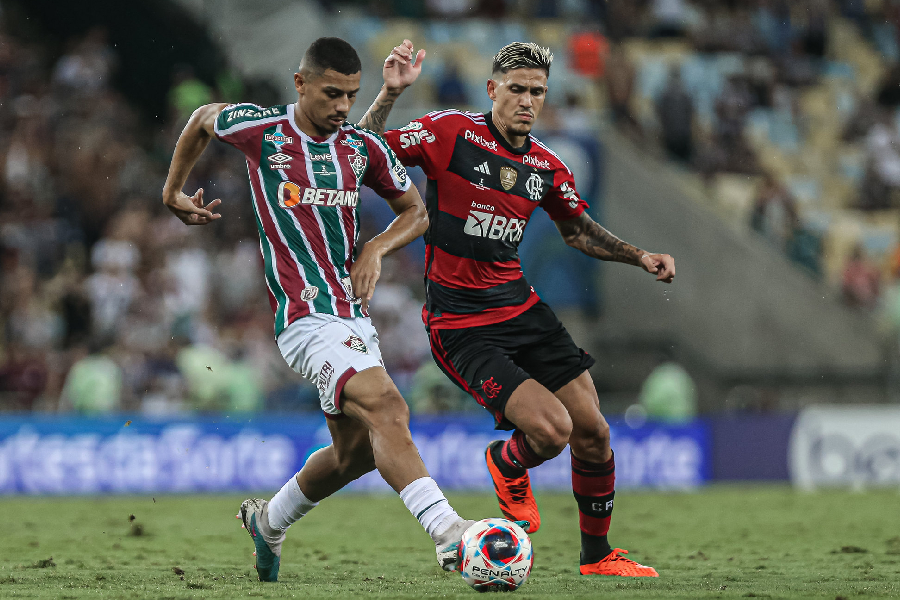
x=385, y=174
x=233, y=126
x=419, y=144
x=563, y=202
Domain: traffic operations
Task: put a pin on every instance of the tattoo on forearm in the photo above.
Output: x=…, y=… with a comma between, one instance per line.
x=376, y=117
x=592, y=239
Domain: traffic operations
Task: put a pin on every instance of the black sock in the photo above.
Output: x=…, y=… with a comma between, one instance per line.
x=506, y=469
x=594, y=548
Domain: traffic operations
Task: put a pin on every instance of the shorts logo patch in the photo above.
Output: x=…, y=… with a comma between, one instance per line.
x=324, y=378
x=309, y=293
x=355, y=343
x=491, y=388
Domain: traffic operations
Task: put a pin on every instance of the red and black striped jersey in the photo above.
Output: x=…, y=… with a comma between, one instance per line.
x=480, y=195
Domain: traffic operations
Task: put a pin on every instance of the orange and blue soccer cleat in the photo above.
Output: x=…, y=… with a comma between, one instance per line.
x=616, y=564
x=514, y=495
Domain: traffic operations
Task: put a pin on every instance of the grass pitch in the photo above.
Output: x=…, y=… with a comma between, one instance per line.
x=722, y=542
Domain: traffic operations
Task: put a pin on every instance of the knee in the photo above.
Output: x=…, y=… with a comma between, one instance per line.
x=552, y=435
x=387, y=411
x=591, y=440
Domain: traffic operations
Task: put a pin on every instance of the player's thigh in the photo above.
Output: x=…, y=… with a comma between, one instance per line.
x=329, y=351
x=552, y=357
x=485, y=370
x=371, y=397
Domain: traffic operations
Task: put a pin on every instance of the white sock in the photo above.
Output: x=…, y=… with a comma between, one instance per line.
x=288, y=505
x=427, y=503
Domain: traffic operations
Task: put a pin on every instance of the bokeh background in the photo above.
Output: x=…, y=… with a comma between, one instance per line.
x=756, y=141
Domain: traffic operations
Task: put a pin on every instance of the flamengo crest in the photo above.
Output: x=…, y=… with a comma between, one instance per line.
x=535, y=187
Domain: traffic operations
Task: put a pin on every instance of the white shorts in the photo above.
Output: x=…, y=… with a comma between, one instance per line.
x=329, y=350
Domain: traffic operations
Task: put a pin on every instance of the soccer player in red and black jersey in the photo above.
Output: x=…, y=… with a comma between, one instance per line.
x=489, y=331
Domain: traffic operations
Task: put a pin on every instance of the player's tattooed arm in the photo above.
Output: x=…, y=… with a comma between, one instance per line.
x=585, y=234
x=590, y=237
x=376, y=117
x=399, y=73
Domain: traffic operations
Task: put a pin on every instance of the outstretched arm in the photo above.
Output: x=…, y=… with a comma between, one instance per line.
x=411, y=222
x=399, y=73
x=590, y=237
x=191, y=144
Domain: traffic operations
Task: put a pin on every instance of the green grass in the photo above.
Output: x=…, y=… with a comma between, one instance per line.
x=723, y=542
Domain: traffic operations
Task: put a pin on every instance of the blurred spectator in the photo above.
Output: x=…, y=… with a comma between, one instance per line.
x=188, y=93
x=448, y=9
x=882, y=176
x=620, y=81
x=774, y=212
x=669, y=394
x=675, y=110
x=433, y=392
x=451, y=89
x=861, y=281
x=587, y=51
x=94, y=383
x=668, y=17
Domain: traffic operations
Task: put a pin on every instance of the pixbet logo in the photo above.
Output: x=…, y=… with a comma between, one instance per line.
x=491, y=226
x=472, y=136
x=534, y=161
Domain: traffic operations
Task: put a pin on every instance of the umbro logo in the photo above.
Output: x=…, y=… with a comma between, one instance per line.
x=483, y=168
x=279, y=160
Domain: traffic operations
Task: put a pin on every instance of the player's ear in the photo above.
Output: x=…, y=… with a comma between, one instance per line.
x=492, y=89
x=298, y=82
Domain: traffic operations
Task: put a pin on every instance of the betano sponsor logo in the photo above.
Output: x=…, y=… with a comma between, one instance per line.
x=472, y=136
x=290, y=195
x=494, y=227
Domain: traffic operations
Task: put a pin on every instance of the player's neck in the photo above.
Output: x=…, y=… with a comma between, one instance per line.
x=304, y=124
x=516, y=141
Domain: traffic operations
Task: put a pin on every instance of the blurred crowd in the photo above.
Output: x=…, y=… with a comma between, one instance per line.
x=788, y=111
x=107, y=301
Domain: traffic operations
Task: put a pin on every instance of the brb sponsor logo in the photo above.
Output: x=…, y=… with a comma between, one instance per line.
x=474, y=137
x=413, y=138
x=290, y=195
x=495, y=227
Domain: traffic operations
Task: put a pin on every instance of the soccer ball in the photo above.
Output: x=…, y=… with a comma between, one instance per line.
x=495, y=555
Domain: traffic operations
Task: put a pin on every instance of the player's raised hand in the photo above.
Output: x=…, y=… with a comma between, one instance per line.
x=399, y=71
x=364, y=274
x=661, y=265
x=191, y=210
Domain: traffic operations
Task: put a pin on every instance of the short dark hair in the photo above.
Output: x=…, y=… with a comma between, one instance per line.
x=330, y=53
x=522, y=55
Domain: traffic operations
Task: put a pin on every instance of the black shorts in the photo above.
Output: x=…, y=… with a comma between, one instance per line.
x=491, y=361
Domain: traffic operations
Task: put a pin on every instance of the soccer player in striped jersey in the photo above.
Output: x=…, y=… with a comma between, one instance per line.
x=306, y=167
x=489, y=331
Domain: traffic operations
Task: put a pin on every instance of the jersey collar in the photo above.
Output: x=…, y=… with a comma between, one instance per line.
x=308, y=138
x=523, y=149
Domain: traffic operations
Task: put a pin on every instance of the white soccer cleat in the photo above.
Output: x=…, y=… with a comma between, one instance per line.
x=447, y=545
x=255, y=516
